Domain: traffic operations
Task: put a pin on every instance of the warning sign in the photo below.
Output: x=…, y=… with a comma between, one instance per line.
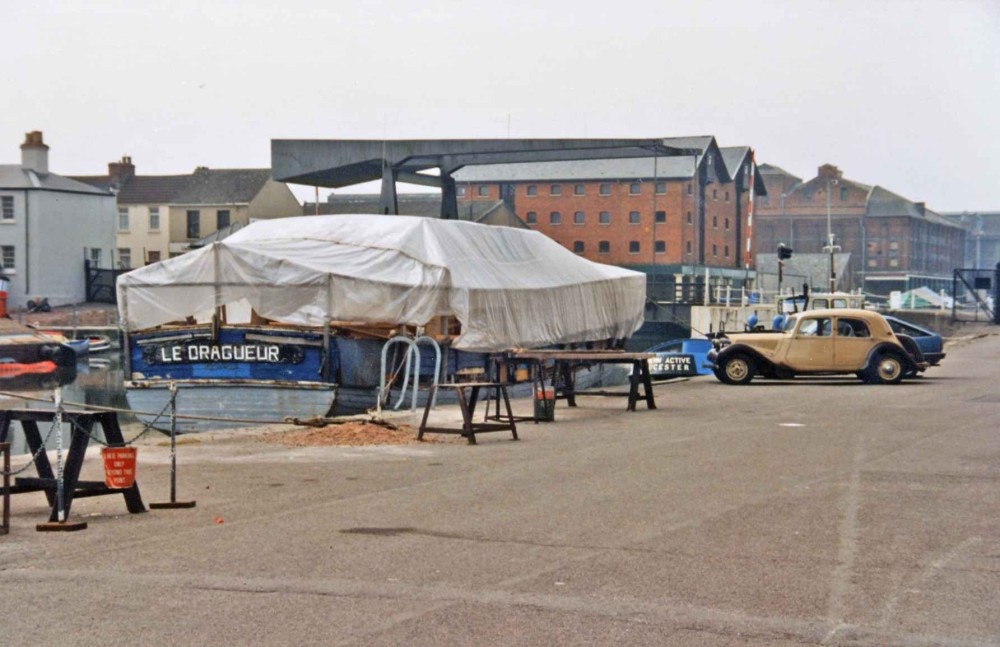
x=119, y=466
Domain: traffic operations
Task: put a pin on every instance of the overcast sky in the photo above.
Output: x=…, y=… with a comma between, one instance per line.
x=901, y=94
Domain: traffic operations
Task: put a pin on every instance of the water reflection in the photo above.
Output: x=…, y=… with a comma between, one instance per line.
x=98, y=382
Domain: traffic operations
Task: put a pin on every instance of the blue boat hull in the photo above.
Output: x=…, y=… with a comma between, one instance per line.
x=230, y=404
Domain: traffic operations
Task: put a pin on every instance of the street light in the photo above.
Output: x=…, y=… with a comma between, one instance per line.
x=830, y=247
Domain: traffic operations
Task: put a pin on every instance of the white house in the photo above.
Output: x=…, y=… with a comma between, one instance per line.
x=50, y=224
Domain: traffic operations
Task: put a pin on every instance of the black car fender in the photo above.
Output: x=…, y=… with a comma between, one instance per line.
x=911, y=347
x=878, y=349
x=760, y=361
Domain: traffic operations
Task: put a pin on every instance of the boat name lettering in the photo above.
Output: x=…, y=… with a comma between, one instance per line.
x=198, y=353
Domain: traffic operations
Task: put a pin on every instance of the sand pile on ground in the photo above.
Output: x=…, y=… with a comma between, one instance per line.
x=355, y=433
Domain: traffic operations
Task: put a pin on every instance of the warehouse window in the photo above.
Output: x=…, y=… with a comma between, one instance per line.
x=605, y=218
x=578, y=189
x=555, y=218
x=604, y=247
x=578, y=218
x=578, y=246
x=633, y=217
x=660, y=247
x=531, y=218
x=605, y=189
x=633, y=247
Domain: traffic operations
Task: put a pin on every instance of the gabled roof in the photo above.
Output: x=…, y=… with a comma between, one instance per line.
x=771, y=169
x=819, y=184
x=16, y=177
x=222, y=186
x=734, y=157
x=883, y=203
x=204, y=186
x=616, y=168
x=582, y=170
x=141, y=189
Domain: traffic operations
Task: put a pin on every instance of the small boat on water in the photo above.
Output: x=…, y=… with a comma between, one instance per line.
x=99, y=343
x=79, y=346
x=31, y=360
x=304, y=317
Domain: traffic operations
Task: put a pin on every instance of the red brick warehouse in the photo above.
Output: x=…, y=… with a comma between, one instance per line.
x=673, y=214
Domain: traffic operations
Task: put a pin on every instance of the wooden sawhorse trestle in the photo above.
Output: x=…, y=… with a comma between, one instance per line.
x=467, y=403
x=81, y=423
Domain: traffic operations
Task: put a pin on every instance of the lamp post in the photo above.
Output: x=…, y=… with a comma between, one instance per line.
x=829, y=236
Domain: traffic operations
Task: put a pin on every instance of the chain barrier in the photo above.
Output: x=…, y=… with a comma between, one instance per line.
x=77, y=427
x=34, y=456
x=146, y=426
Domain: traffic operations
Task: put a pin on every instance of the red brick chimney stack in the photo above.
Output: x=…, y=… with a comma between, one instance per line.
x=829, y=171
x=120, y=172
x=34, y=152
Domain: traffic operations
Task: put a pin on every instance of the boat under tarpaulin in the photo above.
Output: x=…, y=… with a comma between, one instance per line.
x=509, y=288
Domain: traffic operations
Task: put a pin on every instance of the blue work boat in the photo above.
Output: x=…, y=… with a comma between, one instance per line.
x=318, y=315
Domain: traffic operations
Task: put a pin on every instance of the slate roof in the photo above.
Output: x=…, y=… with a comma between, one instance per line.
x=222, y=186
x=16, y=177
x=141, y=189
x=733, y=157
x=885, y=203
x=204, y=186
x=771, y=169
x=606, y=169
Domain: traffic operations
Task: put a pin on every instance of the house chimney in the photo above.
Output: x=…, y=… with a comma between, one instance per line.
x=921, y=208
x=120, y=172
x=829, y=171
x=34, y=152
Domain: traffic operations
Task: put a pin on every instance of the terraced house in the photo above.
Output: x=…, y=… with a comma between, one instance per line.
x=159, y=216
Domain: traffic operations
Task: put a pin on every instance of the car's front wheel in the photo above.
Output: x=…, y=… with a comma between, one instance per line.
x=886, y=368
x=735, y=369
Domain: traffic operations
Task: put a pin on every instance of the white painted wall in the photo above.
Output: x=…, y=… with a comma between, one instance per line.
x=50, y=236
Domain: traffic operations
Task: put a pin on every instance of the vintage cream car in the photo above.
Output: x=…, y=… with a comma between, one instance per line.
x=819, y=342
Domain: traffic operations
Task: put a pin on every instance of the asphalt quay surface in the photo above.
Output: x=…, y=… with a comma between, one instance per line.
x=812, y=512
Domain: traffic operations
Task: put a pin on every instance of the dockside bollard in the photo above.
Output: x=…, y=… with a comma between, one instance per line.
x=173, y=503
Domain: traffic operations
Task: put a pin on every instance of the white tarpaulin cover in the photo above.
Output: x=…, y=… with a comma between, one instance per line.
x=508, y=287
